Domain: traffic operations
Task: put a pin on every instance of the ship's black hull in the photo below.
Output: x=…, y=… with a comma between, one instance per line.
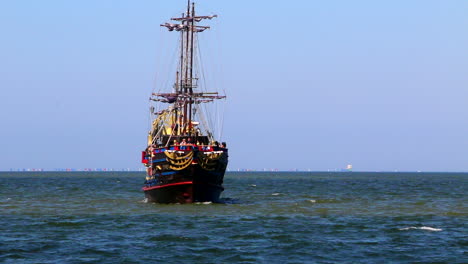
x=200, y=180
x=183, y=192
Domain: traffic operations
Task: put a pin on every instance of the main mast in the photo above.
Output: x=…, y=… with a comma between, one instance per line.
x=184, y=96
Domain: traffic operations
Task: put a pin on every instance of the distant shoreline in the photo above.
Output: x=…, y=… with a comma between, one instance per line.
x=229, y=171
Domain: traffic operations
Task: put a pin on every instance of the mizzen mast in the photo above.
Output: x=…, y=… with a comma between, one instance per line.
x=184, y=96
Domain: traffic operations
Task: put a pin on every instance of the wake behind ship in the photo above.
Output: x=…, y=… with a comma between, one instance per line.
x=184, y=159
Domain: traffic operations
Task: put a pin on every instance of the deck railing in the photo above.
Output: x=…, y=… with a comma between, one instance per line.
x=145, y=155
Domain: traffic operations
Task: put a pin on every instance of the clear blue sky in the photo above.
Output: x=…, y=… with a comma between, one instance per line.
x=382, y=85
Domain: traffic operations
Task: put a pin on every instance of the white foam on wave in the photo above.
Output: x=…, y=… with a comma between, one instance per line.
x=253, y=185
x=312, y=201
x=275, y=194
x=427, y=228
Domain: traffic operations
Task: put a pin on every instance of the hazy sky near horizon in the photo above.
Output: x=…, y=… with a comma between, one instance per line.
x=382, y=85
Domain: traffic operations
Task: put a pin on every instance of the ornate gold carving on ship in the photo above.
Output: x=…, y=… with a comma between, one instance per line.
x=207, y=160
x=210, y=160
x=179, y=161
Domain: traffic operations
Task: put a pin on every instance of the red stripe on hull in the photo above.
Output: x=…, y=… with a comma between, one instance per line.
x=166, y=185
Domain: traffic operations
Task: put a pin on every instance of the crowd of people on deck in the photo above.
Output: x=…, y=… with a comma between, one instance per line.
x=187, y=142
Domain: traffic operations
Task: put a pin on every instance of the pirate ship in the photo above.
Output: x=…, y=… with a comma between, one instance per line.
x=185, y=161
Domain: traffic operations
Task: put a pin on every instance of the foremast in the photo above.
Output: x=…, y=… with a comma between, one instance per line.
x=184, y=96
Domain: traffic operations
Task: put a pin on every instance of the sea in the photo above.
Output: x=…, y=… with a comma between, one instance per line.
x=264, y=217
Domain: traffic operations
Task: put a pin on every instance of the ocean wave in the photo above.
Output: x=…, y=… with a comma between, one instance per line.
x=325, y=201
x=427, y=228
x=203, y=202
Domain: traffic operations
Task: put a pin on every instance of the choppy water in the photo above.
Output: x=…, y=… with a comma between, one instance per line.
x=266, y=218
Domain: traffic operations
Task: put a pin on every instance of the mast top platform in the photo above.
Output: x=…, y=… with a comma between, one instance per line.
x=188, y=21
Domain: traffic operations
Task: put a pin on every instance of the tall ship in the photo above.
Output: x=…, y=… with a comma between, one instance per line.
x=185, y=161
